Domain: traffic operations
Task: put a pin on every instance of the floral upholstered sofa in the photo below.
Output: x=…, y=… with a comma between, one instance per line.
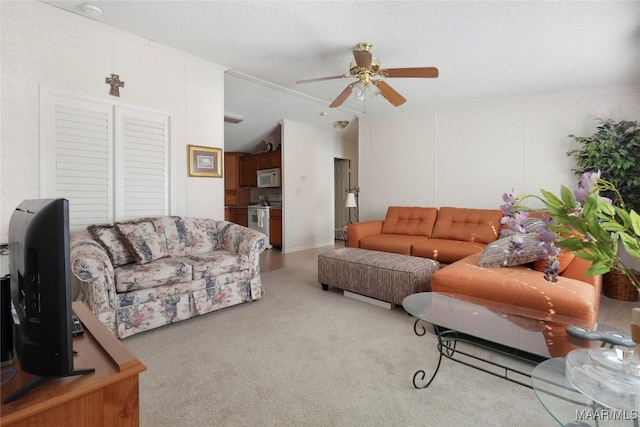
x=142, y=274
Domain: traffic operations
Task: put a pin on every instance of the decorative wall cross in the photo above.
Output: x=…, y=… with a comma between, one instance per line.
x=115, y=83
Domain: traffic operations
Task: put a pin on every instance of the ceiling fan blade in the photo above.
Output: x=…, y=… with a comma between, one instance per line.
x=363, y=58
x=410, y=72
x=389, y=93
x=318, y=79
x=343, y=96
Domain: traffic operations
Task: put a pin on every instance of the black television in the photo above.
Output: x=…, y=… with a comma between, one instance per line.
x=40, y=283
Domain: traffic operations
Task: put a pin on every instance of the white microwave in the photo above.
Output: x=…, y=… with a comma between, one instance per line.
x=268, y=178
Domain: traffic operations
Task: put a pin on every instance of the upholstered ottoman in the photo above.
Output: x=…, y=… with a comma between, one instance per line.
x=381, y=275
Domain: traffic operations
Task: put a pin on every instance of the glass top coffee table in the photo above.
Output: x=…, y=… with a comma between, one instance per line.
x=527, y=335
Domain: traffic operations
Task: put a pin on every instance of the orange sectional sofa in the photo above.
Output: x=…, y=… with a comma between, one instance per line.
x=446, y=235
x=574, y=295
x=457, y=237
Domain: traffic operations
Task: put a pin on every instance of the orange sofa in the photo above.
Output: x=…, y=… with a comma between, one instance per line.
x=574, y=295
x=446, y=235
x=457, y=237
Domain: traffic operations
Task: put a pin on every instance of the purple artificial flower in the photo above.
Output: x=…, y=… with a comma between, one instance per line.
x=547, y=236
x=580, y=194
x=589, y=181
x=509, y=200
x=548, y=239
x=551, y=269
x=587, y=186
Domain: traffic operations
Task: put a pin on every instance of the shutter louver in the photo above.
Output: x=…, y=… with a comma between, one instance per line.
x=144, y=142
x=110, y=161
x=81, y=168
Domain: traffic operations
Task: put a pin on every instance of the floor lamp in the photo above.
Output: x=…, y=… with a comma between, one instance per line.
x=352, y=202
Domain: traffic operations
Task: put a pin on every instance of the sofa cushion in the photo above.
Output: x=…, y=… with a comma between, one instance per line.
x=185, y=236
x=142, y=296
x=174, y=233
x=396, y=243
x=166, y=271
x=498, y=253
x=467, y=225
x=216, y=263
x=445, y=251
x=200, y=234
x=155, y=313
x=144, y=242
x=112, y=241
x=409, y=221
x=519, y=286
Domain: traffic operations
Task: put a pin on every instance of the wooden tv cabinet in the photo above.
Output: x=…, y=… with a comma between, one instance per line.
x=107, y=397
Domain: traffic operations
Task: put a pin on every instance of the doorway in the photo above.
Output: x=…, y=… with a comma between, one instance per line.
x=342, y=182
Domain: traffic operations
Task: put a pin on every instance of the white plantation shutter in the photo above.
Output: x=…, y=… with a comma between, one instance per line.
x=107, y=174
x=142, y=162
x=76, y=158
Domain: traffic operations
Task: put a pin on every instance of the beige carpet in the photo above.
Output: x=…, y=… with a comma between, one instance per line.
x=304, y=357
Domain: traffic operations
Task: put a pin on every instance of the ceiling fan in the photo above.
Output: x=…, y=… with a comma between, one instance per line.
x=365, y=66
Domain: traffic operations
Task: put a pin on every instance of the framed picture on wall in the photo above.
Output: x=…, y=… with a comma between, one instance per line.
x=205, y=161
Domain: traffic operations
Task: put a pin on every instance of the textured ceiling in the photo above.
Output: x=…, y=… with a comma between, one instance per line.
x=484, y=50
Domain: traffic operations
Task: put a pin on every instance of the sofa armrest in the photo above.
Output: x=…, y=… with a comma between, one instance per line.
x=577, y=269
x=93, y=268
x=359, y=230
x=242, y=240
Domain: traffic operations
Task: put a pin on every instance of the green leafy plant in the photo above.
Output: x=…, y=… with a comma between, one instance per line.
x=583, y=222
x=614, y=150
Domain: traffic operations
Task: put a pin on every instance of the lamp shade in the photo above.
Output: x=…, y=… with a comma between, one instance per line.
x=351, y=201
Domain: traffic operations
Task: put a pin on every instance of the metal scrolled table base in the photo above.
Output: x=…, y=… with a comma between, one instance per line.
x=447, y=347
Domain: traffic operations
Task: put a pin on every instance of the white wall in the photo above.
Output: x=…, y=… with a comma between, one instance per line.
x=44, y=46
x=470, y=156
x=307, y=183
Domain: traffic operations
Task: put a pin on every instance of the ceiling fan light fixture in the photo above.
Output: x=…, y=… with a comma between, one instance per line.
x=359, y=93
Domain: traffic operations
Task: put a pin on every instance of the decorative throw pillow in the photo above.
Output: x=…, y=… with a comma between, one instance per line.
x=532, y=224
x=107, y=235
x=501, y=254
x=144, y=242
x=564, y=259
x=201, y=235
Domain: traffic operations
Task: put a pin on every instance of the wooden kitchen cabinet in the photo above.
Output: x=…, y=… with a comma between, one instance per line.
x=238, y=215
x=241, y=218
x=251, y=164
x=234, y=193
x=269, y=160
x=275, y=227
x=248, y=171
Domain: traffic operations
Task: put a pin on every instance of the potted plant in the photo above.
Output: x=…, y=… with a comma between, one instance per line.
x=583, y=222
x=614, y=150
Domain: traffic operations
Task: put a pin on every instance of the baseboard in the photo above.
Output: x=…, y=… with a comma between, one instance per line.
x=373, y=301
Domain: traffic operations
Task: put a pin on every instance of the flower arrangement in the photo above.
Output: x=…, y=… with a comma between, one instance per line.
x=580, y=221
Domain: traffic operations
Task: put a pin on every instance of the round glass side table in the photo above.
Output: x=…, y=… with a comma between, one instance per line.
x=567, y=405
